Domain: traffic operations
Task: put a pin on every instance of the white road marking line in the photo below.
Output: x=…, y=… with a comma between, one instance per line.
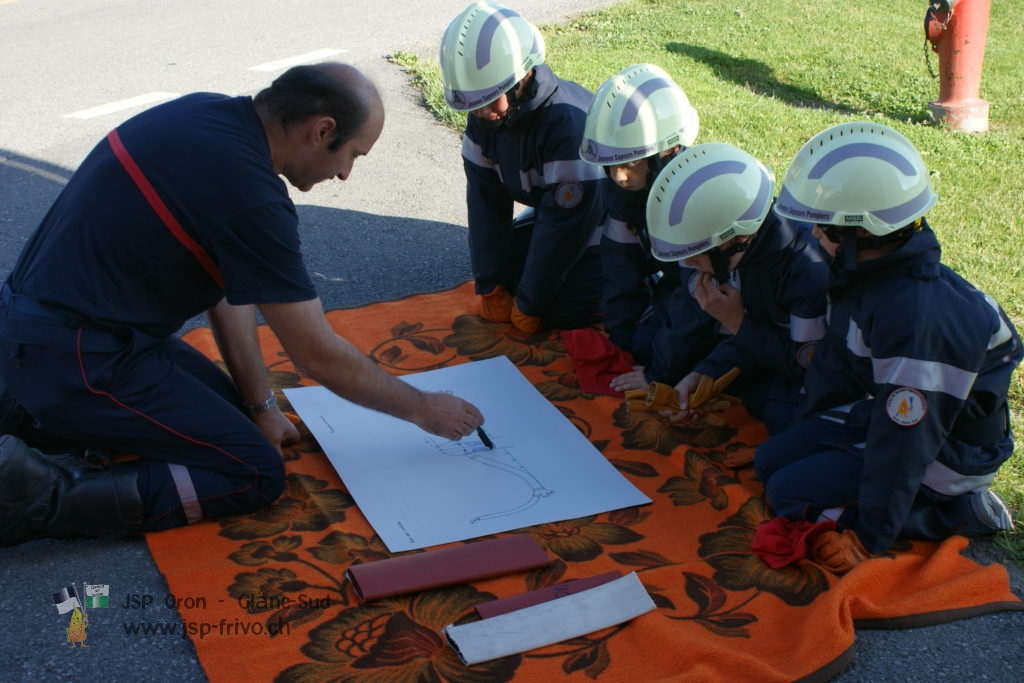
x=307, y=58
x=34, y=170
x=112, y=107
x=153, y=97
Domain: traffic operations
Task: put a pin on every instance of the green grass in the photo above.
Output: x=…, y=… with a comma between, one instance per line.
x=767, y=76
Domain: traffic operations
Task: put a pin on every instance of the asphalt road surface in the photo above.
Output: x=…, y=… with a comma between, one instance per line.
x=70, y=70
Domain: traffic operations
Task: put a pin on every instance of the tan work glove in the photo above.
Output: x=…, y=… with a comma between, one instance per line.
x=530, y=324
x=656, y=396
x=708, y=399
x=496, y=305
x=838, y=551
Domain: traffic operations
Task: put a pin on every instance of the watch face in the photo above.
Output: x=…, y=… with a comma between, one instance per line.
x=268, y=403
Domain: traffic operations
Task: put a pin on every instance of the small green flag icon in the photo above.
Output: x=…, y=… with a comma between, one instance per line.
x=96, y=595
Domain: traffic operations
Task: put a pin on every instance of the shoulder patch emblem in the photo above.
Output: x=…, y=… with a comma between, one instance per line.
x=805, y=354
x=906, y=407
x=569, y=195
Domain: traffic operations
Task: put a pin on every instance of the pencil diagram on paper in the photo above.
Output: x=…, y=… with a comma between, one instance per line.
x=500, y=459
x=418, y=489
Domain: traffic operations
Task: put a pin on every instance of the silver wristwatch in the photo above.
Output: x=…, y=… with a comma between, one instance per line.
x=266, y=404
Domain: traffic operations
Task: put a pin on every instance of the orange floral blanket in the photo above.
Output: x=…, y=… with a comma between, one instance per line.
x=276, y=607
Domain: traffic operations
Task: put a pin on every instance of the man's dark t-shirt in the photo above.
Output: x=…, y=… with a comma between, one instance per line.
x=104, y=254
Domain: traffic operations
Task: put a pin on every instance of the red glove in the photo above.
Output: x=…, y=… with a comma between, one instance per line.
x=530, y=324
x=783, y=541
x=597, y=359
x=496, y=305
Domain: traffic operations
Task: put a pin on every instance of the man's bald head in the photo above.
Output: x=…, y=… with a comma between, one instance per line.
x=332, y=89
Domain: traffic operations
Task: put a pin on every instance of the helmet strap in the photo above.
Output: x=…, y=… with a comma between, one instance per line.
x=876, y=241
x=850, y=243
x=516, y=101
x=849, y=248
x=656, y=162
x=654, y=165
x=720, y=259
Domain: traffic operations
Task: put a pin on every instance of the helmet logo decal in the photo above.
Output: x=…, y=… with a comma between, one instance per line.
x=468, y=100
x=487, y=31
x=789, y=206
x=666, y=251
x=906, y=406
x=638, y=97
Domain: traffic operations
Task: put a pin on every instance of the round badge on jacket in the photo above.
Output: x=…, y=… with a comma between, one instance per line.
x=805, y=354
x=906, y=406
x=569, y=195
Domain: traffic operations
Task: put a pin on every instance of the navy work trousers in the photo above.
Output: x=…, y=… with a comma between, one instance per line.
x=810, y=467
x=159, y=399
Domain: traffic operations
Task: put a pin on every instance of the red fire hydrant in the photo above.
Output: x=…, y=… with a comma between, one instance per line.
x=957, y=30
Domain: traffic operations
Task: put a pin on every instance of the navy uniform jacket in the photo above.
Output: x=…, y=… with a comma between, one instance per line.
x=920, y=361
x=535, y=161
x=103, y=254
x=643, y=299
x=627, y=265
x=783, y=283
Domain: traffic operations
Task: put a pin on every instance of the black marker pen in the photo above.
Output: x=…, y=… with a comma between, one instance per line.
x=483, y=437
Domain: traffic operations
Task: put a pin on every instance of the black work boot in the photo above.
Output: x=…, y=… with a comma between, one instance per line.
x=42, y=499
x=14, y=419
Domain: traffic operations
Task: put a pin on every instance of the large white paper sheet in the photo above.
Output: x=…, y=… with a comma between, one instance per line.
x=419, y=490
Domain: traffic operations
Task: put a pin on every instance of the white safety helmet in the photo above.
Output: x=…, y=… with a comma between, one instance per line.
x=704, y=197
x=638, y=112
x=862, y=174
x=485, y=51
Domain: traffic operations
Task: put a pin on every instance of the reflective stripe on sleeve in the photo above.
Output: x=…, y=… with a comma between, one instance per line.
x=899, y=371
x=941, y=478
x=806, y=329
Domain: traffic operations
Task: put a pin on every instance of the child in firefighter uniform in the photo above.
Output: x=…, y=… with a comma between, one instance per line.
x=639, y=120
x=907, y=416
x=757, y=278
x=521, y=145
